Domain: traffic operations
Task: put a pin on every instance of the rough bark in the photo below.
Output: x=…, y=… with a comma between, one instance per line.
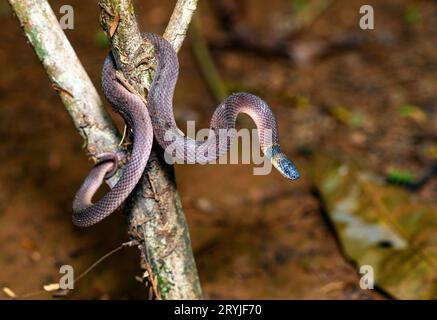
x=155, y=211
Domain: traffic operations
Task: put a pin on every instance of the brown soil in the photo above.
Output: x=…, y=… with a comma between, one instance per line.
x=253, y=236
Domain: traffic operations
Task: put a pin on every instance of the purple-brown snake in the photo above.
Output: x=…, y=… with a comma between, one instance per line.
x=157, y=120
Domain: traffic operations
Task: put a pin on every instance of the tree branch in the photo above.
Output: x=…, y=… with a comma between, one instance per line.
x=180, y=19
x=155, y=212
x=70, y=80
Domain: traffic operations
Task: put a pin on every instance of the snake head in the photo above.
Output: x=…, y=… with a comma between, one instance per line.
x=280, y=161
x=286, y=167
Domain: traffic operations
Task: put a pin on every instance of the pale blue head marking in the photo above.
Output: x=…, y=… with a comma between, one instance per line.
x=280, y=161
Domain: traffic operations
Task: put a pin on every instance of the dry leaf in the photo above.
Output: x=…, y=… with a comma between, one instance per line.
x=381, y=226
x=51, y=287
x=9, y=293
x=114, y=25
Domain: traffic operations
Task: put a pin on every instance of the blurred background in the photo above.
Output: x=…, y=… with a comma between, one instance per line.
x=356, y=111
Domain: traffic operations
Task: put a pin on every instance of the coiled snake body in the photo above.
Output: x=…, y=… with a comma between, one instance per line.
x=158, y=120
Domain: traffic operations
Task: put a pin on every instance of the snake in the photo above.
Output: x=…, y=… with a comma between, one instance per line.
x=156, y=120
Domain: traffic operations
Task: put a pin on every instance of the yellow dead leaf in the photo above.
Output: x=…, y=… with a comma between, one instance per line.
x=9, y=292
x=51, y=287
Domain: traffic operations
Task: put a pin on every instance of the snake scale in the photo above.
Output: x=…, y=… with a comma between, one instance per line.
x=157, y=120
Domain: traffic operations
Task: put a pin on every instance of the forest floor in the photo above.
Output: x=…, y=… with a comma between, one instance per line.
x=254, y=237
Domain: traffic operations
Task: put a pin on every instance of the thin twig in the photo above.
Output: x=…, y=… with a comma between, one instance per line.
x=84, y=273
x=179, y=21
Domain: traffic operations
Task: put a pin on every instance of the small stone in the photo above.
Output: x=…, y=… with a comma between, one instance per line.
x=204, y=205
